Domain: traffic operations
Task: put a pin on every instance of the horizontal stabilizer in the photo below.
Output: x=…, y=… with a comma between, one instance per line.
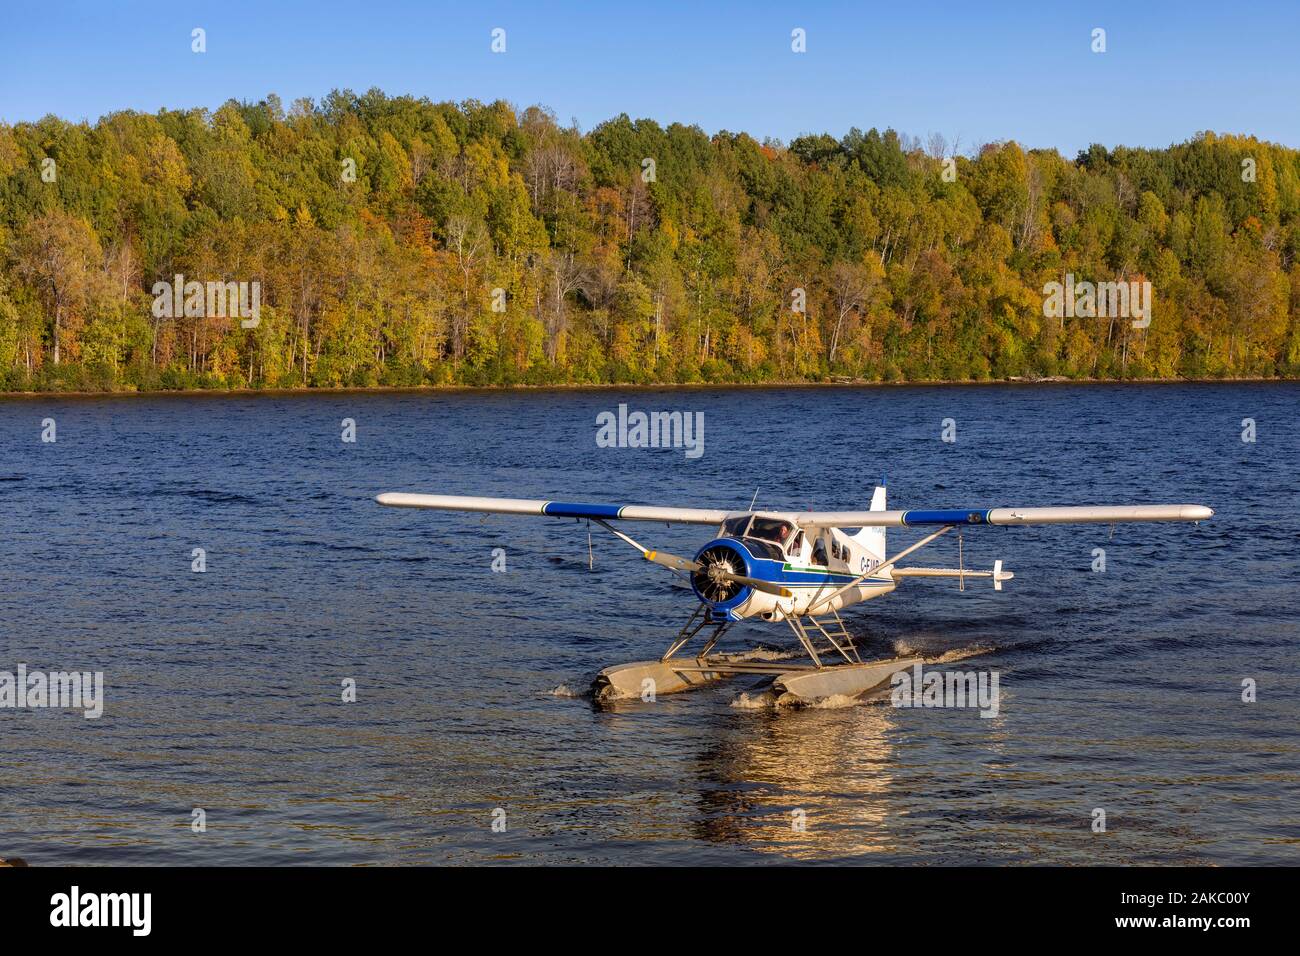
x=946, y=573
x=997, y=574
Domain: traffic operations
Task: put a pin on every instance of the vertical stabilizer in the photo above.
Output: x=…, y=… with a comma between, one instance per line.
x=878, y=497
x=873, y=539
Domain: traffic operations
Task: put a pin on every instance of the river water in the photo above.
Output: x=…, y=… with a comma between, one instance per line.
x=1120, y=690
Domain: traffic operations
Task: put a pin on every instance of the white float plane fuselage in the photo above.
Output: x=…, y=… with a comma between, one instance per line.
x=821, y=568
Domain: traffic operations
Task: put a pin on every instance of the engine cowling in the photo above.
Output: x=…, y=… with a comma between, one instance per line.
x=730, y=556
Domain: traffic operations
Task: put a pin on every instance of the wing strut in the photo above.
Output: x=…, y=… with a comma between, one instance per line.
x=880, y=567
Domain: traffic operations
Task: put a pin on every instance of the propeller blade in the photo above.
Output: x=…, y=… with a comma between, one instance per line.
x=677, y=563
x=766, y=586
x=671, y=561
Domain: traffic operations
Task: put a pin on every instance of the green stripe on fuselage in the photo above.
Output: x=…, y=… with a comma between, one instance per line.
x=826, y=572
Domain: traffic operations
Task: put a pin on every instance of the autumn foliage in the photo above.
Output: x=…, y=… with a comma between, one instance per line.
x=478, y=245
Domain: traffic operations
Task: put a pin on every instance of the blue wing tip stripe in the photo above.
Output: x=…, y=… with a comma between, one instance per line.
x=577, y=509
x=952, y=516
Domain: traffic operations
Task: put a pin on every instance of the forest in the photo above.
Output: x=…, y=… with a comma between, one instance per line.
x=394, y=241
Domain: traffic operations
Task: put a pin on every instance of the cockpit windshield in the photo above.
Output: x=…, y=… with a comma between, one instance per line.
x=755, y=528
x=771, y=529
x=735, y=527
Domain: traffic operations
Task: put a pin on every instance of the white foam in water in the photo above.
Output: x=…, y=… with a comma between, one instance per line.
x=834, y=702
x=961, y=653
x=905, y=648
x=760, y=700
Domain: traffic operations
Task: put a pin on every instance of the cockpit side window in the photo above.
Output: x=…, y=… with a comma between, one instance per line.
x=819, y=551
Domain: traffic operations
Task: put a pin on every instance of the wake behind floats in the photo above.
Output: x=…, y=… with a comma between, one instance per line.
x=799, y=567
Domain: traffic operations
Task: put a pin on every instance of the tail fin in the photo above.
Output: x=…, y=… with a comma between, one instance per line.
x=873, y=539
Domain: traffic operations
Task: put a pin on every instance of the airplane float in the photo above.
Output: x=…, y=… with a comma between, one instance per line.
x=802, y=568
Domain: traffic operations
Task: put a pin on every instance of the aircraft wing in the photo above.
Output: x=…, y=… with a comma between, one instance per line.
x=1090, y=514
x=556, y=509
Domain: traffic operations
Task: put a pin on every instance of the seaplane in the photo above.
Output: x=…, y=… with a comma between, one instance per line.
x=798, y=567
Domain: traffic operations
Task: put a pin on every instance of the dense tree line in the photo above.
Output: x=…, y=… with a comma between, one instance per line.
x=399, y=241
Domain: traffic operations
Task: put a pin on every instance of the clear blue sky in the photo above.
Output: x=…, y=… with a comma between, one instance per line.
x=981, y=71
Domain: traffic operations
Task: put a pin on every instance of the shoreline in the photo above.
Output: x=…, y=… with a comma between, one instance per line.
x=659, y=387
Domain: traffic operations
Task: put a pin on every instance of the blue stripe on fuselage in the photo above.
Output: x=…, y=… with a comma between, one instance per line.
x=774, y=571
x=769, y=569
x=576, y=509
x=830, y=583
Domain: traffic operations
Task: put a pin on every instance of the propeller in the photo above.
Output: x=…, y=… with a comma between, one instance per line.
x=672, y=562
x=714, y=576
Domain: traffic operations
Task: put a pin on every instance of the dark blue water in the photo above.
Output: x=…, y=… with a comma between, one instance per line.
x=1120, y=690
